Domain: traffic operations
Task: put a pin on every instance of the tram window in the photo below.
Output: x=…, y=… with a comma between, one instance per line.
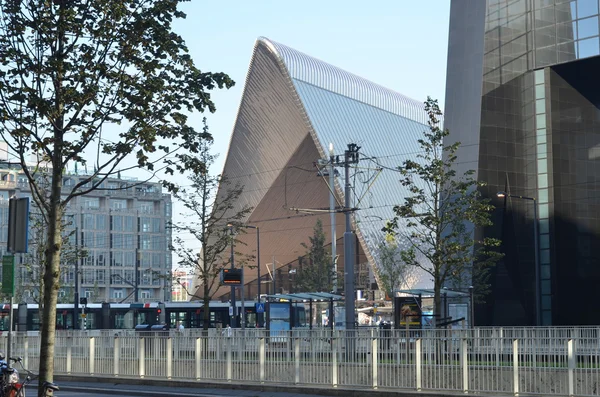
x=4, y=322
x=33, y=321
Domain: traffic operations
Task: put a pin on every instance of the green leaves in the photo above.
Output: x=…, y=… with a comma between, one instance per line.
x=316, y=271
x=438, y=217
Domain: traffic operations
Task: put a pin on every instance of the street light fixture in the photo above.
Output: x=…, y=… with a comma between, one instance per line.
x=501, y=194
x=232, y=321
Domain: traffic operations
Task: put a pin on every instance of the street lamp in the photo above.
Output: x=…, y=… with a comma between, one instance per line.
x=538, y=317
x=232, y=321
x=257, y=256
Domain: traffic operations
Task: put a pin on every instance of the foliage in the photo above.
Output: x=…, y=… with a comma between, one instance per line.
x=70, y=68
x=440, y=214
x=392, y=270
x=316, y=275
x=210, y=204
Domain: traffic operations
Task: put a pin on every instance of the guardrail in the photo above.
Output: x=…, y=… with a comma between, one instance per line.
x=542, y=361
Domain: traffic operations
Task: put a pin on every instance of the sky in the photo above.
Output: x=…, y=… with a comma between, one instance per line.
x=399, y=44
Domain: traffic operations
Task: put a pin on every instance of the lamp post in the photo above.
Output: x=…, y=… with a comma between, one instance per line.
x=538, y=317
x=232, y=321
x=257, y=257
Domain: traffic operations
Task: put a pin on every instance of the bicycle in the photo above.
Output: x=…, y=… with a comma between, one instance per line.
x=11, y=386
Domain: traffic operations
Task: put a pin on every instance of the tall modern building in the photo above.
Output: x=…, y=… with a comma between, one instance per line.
x=293, y=107
x=120, y=227
x=523, y=97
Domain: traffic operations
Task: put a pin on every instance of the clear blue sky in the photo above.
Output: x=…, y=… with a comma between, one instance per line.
x=400, y=44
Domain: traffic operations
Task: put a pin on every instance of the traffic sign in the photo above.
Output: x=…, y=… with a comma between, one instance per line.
x=260, y=308
x=230, y=310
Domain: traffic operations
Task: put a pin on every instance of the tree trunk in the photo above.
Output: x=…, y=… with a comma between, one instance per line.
x=51, y=286
x=437, y=304
x=206, y=308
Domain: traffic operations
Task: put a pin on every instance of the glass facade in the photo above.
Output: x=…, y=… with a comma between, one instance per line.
x=538, y=138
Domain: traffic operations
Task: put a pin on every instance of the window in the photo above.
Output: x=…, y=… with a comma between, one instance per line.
x=117, y=240
x=128, y=224
x=118, y=204
x=117, y=293
x=89, y=221
x=117, y=258
x=146, y=207
x=116, y=223
x=100, y=222
x=92, y=203
x=145, y=294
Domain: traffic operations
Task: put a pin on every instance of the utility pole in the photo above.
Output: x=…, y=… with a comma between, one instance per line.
x=76, y=293
x=232, y=321
x=350, y=157
x=137, y=275
x=332, y=214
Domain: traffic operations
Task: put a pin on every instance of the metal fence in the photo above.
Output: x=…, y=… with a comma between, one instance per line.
x=536, y=361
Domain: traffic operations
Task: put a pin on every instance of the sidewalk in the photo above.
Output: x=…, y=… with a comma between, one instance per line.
x=182, y=388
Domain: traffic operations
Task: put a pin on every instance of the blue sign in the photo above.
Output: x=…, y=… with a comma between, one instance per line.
x=260, y=308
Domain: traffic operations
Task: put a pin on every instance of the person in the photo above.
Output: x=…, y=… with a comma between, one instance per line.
x=227, y=331
x=180, y=326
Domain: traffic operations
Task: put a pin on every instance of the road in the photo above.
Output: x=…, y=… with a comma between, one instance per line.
x=98, y=389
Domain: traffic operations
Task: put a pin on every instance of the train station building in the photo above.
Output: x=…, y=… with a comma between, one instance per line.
x=293, y=108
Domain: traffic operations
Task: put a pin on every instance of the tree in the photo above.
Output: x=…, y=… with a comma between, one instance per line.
x=210, y=200
x=317, y=274
x=392, y=270
x=107, y=80
x=438, y=217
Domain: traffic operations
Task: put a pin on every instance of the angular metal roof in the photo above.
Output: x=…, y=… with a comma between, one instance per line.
x=293, y=106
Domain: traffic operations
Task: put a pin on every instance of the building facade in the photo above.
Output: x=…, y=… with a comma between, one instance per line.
x=293, y=107
x=523, y=98
x=119, y=228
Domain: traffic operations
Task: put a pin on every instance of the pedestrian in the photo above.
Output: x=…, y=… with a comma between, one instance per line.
x=227, y=331
x=180, y=326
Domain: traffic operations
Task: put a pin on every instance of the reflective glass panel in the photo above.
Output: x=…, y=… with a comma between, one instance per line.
x=542, y=166
x=539, y=76
x=540, y=91
x=541, y=121
x=588, y=47
x=586, y=8
x=543, y=211
x=543, y=195
x=542, y=181
x=544, y=226
x=588, y=27
x=540, y=106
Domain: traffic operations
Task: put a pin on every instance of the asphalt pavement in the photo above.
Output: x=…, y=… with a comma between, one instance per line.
x=100, y=389
x=110, y=387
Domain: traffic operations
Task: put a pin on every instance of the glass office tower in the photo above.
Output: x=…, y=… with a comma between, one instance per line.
x=523, y=98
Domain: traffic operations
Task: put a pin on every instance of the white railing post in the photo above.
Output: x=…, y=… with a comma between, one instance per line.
x=515, y=349
x=116, y=356
x=418, y=355
x=198, y=357
x=92, y=355
x=141, y=358
x=229, y=353
x=334, y=361
x=26, y=352
x=464, y=355
x=69, y=355
x=572, y=365
x=261, y=358
x=170, y=357
x=297, y=360
x=374, y=360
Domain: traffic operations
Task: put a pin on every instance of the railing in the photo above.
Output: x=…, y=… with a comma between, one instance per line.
x=536, y=361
